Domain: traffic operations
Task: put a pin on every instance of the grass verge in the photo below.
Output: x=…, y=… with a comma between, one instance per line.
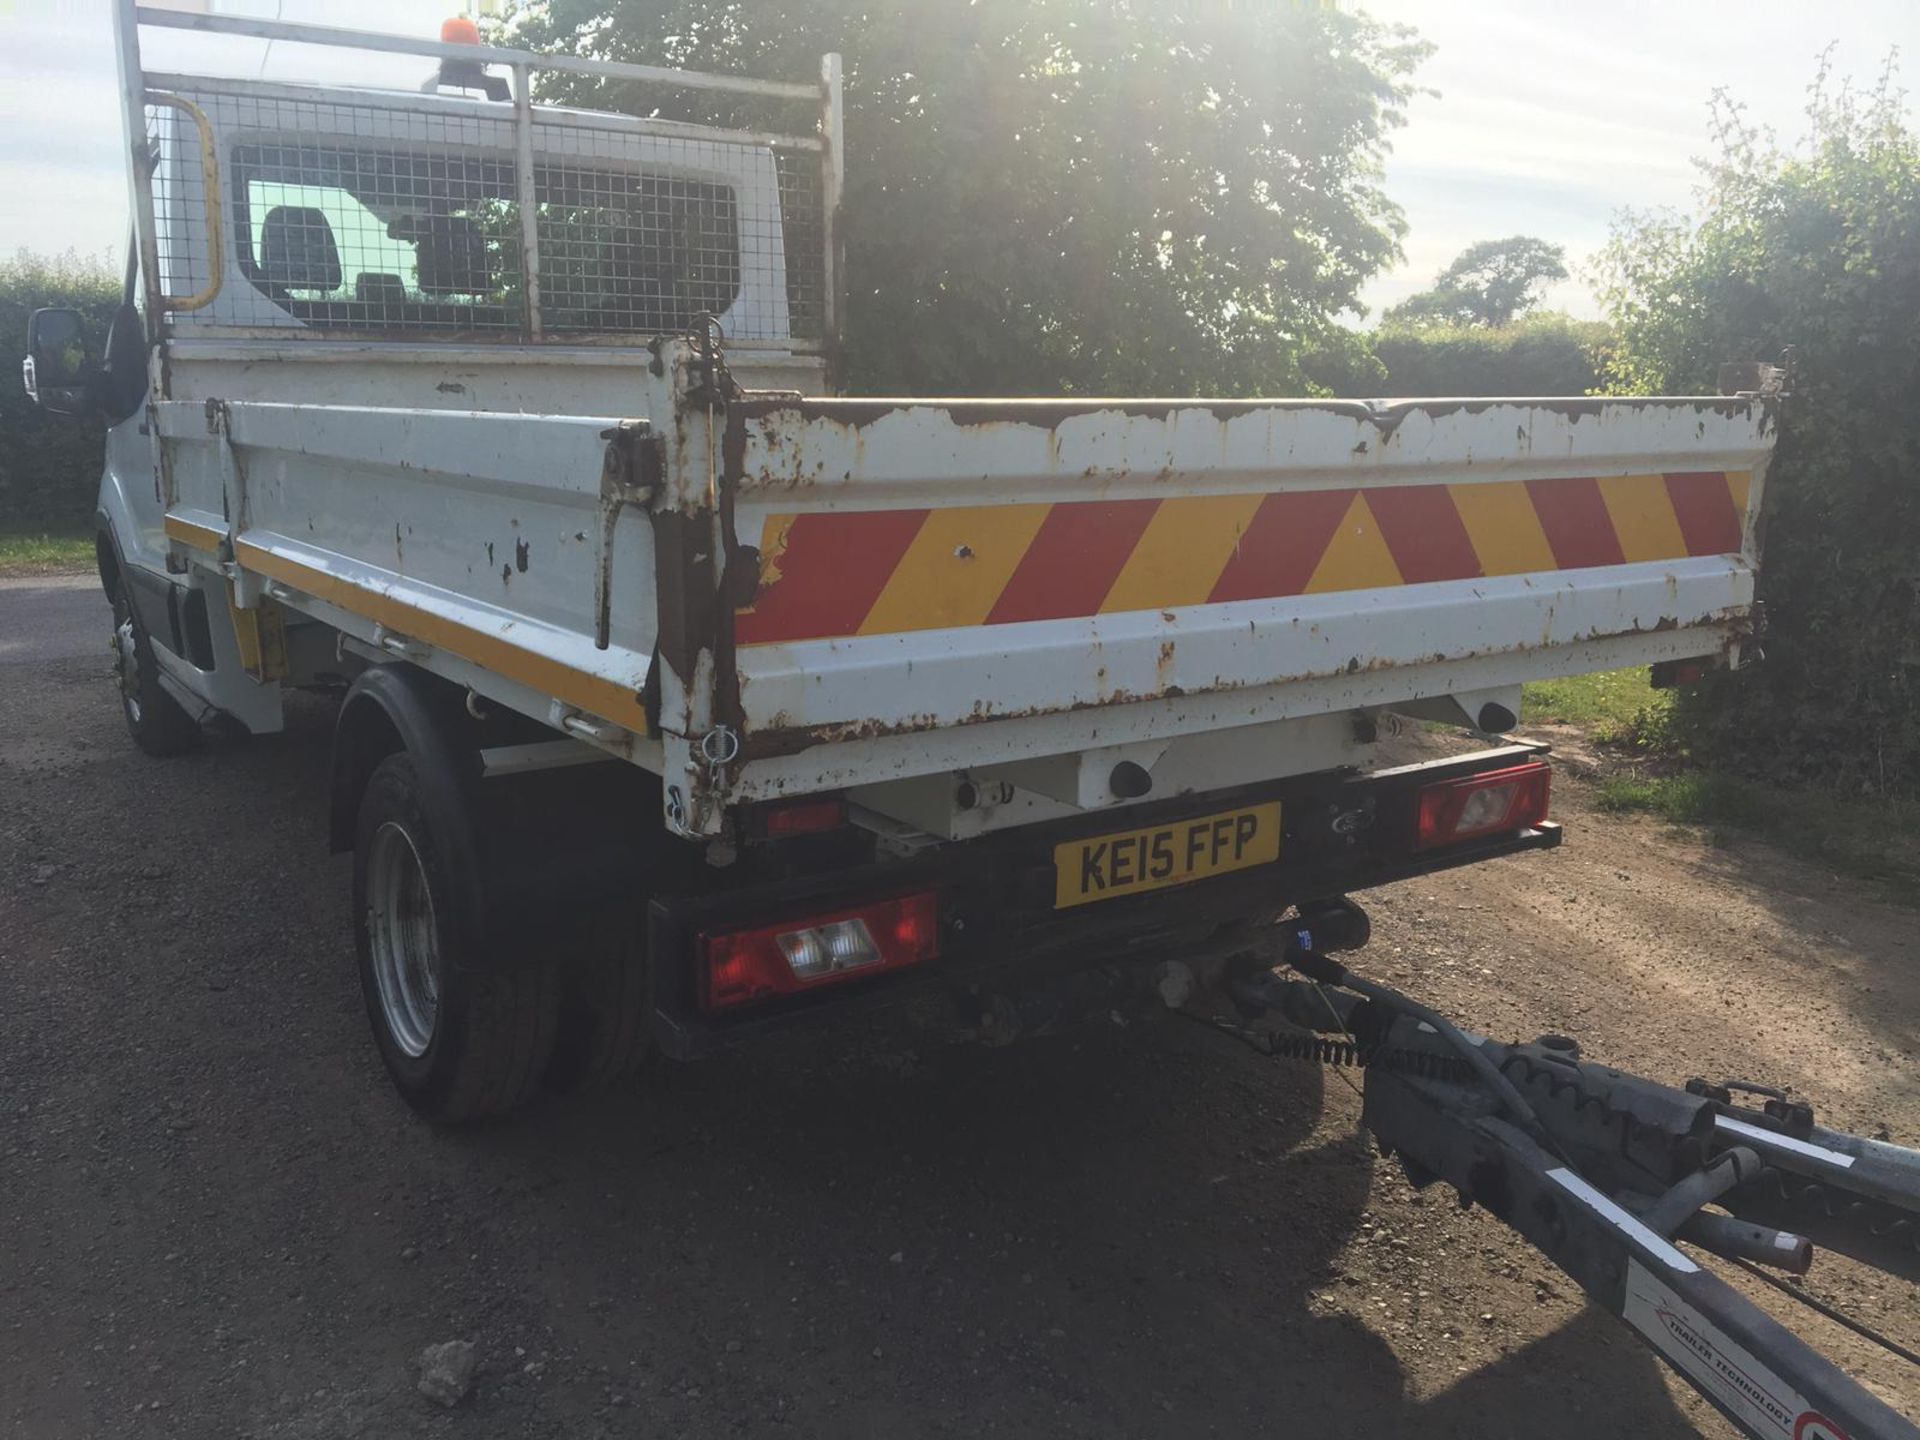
x=42, y=554
x=1878, y=841
x=1873, y=840
x=1615, y=707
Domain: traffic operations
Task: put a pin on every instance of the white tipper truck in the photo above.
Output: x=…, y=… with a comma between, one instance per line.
x=682, y=698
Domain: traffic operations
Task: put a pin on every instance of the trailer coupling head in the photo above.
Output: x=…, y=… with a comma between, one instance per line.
x=1608, y=1174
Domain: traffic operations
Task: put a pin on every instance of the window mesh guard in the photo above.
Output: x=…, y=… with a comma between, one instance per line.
x=388, y=218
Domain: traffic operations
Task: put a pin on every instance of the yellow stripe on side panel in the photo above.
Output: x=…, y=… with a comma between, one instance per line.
x=260, y=633
x=955, y=568
x=773, y=548
x=1643, y=518
x=200, y=537
x=591, y=693
x=1181, y=553
x=1356, y=558
x=1503, y=527
x=1740, y=486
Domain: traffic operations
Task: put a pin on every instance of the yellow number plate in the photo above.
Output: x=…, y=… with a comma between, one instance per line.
x=1160, y=856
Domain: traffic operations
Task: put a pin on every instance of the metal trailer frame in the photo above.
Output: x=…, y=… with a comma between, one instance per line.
x=1764, y=1378
x=1603, y=1171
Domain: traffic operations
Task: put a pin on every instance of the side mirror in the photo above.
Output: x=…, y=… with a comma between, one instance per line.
x=60, y=371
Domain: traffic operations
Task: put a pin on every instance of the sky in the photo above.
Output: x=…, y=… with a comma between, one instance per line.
x=1543, y=118
x=1550, y=118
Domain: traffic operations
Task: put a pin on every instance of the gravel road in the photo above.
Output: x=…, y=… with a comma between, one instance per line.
x=51, y=618
x=216, y=1219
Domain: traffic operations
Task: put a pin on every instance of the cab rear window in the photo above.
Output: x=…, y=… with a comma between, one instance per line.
x=391, y=240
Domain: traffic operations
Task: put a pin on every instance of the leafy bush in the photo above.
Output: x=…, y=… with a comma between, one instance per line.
x=1818, y=249
x=49, y=464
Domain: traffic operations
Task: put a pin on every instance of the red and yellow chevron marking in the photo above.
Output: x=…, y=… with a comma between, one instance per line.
x=882, y=572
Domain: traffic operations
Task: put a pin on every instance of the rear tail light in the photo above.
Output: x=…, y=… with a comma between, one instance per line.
x=738, y=967
x=811, y=816
x=1486, y=804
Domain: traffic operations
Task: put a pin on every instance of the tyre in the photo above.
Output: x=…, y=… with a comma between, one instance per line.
x=464, y=1033
x=605, y=1029
x=156, y=721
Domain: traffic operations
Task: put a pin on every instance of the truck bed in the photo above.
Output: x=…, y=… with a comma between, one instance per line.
x=1236, y=562
x=763, y=595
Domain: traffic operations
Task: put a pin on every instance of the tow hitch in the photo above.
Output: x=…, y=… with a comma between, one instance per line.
x=1608, y=1175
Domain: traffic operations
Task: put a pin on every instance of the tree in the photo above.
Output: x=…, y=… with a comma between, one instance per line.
x=1079, y=195
x=1816, y=248
x=1489, y=283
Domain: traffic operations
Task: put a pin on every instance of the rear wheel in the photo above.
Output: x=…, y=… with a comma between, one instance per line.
x=464, y=1033
x=154, y=718
x=605, y=1032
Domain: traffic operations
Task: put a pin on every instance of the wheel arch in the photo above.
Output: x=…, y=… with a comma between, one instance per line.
x=398, y=708
x=391, y=708
x=106, y=557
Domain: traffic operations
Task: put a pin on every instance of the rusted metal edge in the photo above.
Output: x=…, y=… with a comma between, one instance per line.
x=1385, y=416
x=738, y=579
x=696, y=592
x=778, y=740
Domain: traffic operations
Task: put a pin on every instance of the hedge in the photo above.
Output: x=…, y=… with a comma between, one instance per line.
x=1816, y=249
x=49, y=464
x=1539, y=355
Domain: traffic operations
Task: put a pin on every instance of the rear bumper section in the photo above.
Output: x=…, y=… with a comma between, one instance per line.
x=998, y=924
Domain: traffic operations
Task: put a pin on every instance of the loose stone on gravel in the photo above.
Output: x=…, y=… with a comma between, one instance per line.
x=446, y=1372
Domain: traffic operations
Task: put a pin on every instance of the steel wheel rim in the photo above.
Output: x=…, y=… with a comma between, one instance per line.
x=403, y=939
x=126, y=667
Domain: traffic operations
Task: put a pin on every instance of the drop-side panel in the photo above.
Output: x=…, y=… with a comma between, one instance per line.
x=926, y=565
x=477, y=536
